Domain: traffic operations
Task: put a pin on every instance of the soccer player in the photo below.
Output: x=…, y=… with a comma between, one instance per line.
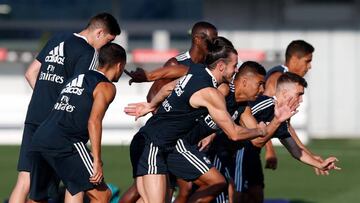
x=202, y=35
x=298, y=57
x=58, y=146
x=63, y=56
x=194, y=95
x=288, y=85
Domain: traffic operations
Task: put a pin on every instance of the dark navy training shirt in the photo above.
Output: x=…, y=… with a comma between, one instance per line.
x=68, y=121
x=175, y=117
x=62, y=57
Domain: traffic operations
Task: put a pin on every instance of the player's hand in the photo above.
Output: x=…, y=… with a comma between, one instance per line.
x=329, y=164
x=97, y=176
x=205, y=143
x=261, y=126
x=286, y=110
x=270, y=161
x=139, y=75
x=138, y=109
x=319, y=171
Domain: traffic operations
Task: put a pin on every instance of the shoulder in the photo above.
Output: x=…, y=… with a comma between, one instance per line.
x=262, y=103
x=183, y=56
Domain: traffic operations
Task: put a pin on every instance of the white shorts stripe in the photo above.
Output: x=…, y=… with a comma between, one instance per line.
x=87, y=154
x=261, y=104
x=191, y=157
x=238, y=170
x=89, y=169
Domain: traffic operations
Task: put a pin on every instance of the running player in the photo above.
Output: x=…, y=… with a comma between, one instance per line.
x=298, y=59
x=288, y=85
x=63, y=56
x=58, y=146
x=202, y=35
x=161, y=136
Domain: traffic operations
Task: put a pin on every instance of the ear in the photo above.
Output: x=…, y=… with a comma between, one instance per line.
x=244, y=81
x=98, y=32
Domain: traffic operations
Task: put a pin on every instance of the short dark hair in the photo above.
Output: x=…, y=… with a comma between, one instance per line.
x=105, y=21
x=299, y=48
x=111, y=54
x=218, y=53
x=222, y=41
x=289, y=77
x=250, y=67
x=199, y=27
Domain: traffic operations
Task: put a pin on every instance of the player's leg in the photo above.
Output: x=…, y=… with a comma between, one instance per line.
x=185, y=189
x=22, y=186
x=154, y=187
x=78, y=198
x=149, y=169
x=239, y=178
x=131, y=195
x=188, y=163
x=100, y=194
x=255, y=194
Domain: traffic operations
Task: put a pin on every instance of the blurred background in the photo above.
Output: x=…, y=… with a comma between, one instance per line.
x=155, y=30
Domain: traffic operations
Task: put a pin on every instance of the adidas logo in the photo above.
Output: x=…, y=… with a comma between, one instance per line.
x=56, y=55
x=74, y=87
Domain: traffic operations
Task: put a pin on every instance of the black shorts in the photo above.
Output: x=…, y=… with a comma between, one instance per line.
x=146, y=157
x=248, y=170
x=73, y=169
x=24, y=163
x=185, y=161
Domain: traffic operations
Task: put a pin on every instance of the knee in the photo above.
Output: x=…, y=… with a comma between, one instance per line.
x=104, y=197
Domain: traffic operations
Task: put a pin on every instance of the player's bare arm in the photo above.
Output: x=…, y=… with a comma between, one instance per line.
x=214, y=101
x=143, y=108
x=32, y=72
x=103, y=95
x=303, y=156
x=303, y=147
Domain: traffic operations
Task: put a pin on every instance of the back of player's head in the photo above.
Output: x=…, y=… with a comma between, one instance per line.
x=111, y=54
x=298, y=48
x=200, y=28
x=289, y=77
x=250, y=67
x=218, y=53
x=222, y=41
x=105, y=21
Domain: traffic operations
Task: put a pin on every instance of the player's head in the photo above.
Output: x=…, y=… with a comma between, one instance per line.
x=290, y=85
x=112, y=59
x=224, y=60
x=203, y=34
x=102, y=29
x=249, y=81
x=298, y=57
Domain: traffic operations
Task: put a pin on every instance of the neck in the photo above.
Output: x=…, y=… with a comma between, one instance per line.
x=85, y=33
x=106, y=73
x=196, y=55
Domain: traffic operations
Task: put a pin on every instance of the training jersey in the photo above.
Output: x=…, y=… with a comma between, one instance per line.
x=221, y=141
x=175, y=117
x=68, y=121
x=62, y=57
x=185, y=59
x=206, y=125
x=263, y=109
x=279, y=68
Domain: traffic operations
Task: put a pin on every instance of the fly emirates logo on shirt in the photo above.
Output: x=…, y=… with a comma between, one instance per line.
x=73, y=87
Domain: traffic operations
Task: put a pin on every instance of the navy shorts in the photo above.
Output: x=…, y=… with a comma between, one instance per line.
x=73, y=169
x=248, y=168
x=24, y=163
x=185, y=161
x=146, y=157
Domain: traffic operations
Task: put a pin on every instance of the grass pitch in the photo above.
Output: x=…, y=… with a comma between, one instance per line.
x=292, y=180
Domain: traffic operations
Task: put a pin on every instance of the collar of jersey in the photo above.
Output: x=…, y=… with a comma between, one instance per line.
x=212, y=77
x=83, y=37
x=286, y=68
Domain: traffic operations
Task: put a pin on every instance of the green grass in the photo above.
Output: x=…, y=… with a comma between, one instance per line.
x=292, y=180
